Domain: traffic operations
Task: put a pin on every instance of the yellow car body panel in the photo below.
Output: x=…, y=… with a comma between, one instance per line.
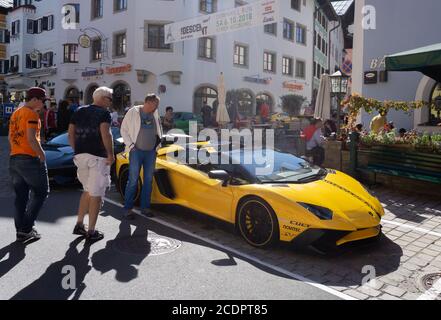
x=355, y=211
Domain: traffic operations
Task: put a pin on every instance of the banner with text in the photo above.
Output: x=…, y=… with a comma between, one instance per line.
x=252, y=15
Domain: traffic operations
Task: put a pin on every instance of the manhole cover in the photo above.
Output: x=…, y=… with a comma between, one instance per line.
x=430, y=279
x=155, y=245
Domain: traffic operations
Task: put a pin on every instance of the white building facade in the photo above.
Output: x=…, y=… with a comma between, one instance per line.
x=72, y=47
x=388, y=27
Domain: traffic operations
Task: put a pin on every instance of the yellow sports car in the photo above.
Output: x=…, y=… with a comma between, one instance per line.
x=296, y=202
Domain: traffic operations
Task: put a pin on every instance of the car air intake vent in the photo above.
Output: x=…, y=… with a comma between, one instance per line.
x=331, y=171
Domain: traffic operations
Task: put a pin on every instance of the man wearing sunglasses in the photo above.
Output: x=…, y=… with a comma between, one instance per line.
x=27, y=165
x=91, y=138
x=142, y=132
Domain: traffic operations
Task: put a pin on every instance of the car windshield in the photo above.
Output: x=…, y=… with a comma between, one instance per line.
x=277, y=167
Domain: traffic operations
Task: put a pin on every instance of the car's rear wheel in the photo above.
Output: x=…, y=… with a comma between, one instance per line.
x=257, y=222
x=121, y=184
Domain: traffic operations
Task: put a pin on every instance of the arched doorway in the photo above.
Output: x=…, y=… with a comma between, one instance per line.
x=204, y=96
x=262, y=98
x=89, y=93
x=121, y=96
x=72, y=94
x=435, y=105
x=246, y=103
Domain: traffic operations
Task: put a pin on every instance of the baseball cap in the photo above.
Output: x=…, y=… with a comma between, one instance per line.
x=38, y=93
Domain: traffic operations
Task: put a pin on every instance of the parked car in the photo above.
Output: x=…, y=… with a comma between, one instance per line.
x=182, y=120
x=297, y=202
x=59, y=157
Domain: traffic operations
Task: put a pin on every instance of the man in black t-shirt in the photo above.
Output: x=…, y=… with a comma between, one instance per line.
x=91, y=138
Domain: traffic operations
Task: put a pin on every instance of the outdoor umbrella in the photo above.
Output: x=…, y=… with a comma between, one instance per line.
x=222, y=116
x=323, y=102
x=426, y=60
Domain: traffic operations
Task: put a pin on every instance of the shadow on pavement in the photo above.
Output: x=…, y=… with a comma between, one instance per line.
x=343, y=269
x=50, y=285
x=16, y=254
x=383, y=254
x=109, y=259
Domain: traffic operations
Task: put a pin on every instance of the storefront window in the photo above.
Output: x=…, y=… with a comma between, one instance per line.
x=435, y=110
x=204, y=96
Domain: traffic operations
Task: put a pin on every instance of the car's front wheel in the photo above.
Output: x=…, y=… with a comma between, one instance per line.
x=121, y=184
x=257, y=222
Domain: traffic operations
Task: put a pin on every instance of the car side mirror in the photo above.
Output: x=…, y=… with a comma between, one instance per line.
x=220, y=175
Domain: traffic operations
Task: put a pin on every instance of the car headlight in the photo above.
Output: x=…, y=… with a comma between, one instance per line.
x=320, y=212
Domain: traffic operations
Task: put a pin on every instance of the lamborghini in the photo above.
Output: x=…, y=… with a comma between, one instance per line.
x=295, y=202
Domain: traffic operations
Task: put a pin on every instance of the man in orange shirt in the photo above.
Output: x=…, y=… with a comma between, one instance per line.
x=27, y=164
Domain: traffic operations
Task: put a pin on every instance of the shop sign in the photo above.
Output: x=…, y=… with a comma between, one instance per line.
x=292, y=86
x=378, y=63
x=258, y=80
x=8, y=109
x=92, y=73
x=260, y=13
x=47, y=83
x=117, y=70
x=371, y=77
x=84, y=41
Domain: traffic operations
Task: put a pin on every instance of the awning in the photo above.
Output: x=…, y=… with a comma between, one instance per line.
x=426, y=60
x=18, y=82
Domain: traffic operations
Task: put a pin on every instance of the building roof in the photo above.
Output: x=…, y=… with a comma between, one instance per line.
x=6, y=3
x=328, y=9
x=342, y=6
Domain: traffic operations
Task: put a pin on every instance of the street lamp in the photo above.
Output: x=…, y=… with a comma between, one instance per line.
x=339, y=87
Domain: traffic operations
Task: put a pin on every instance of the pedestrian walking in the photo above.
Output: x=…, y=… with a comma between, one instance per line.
x=91, y=138
x=142, y=133
x=27, y=165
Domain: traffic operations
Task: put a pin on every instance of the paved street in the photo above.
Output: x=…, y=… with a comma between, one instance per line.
x=179, y=255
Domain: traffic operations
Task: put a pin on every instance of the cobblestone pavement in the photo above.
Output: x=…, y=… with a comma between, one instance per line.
x=409, y=250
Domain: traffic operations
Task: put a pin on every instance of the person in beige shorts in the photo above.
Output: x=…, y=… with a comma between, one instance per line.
x=93, y=173
x=91, y=138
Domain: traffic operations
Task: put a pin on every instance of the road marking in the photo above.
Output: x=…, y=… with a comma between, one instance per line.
x=432, y=293
x=244, y=255
x=421, y=230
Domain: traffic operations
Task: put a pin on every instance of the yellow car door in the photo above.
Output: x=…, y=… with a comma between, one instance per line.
x=195, y=190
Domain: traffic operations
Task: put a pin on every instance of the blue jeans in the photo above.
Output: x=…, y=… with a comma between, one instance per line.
x=30, y=181
x=147, y=161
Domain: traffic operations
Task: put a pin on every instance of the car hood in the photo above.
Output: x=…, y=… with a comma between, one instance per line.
x=56, y=153
x=340, y=193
